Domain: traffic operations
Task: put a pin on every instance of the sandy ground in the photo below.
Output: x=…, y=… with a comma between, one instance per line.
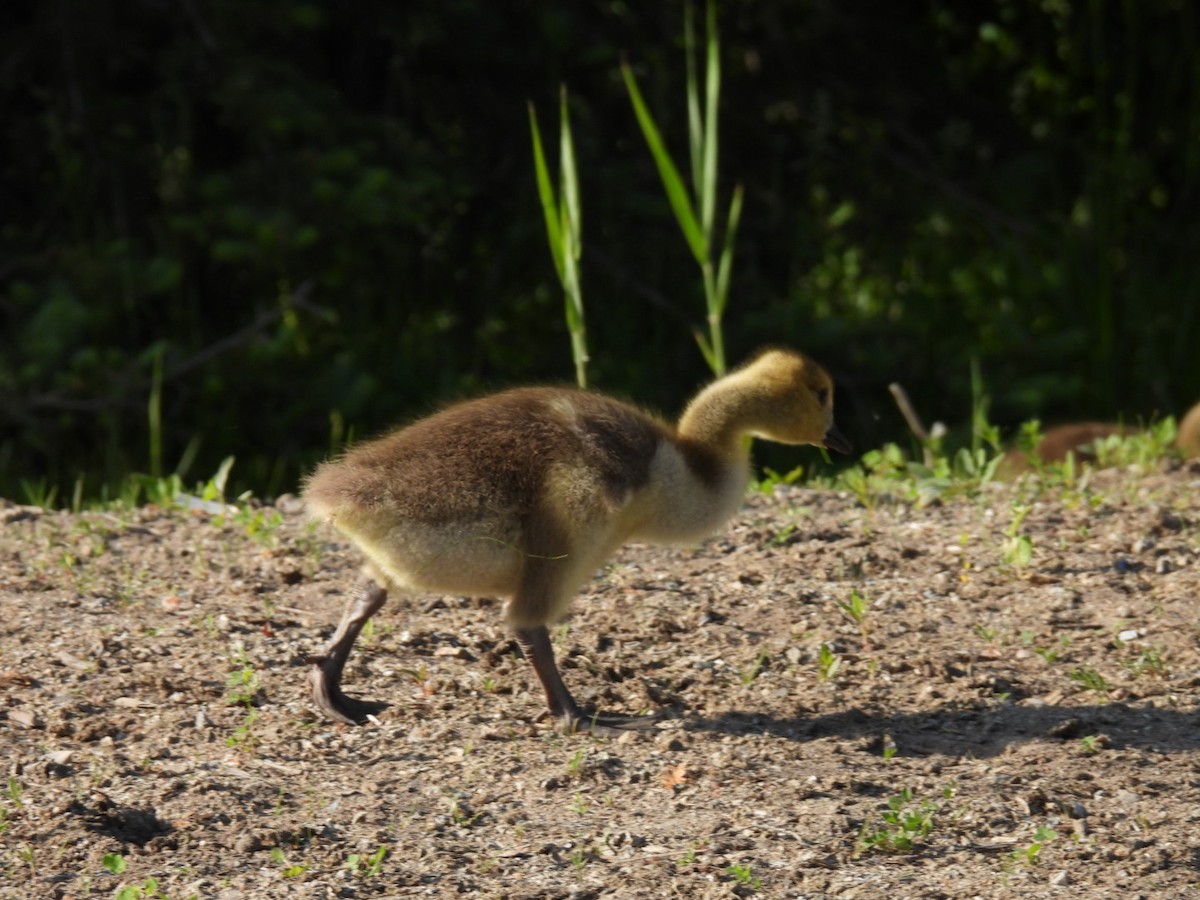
x=890, y=701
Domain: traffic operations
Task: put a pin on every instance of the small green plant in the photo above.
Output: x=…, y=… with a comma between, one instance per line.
x=289, y=870
x=13, y=792
x=575, y=765
x=1018, y=548
x=828, y=662
x=752, y=671
x=987, y=634
x=114, y=863
x=147, y=890
x=579, y=858
x=243, y=735
x=1091, y=680
x=688, y=858
x=243, y=681
x=744, y=876
x=1090, y=744
x=26, y=854
x=366, y=866
x=1052, y=654
x=890, y=748
x=1147, y=661
x=903, y=825
x=1031, y=855
x=243, y=684
x=1142, y=447
x=580, y=805
x=262, y=526
x=856, y=610
x=39, y=493
x=772, y=479
x=781, y=537
x=462, y=814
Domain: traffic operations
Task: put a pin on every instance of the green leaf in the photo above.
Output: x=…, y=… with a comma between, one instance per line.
x=695, y=123
x=546, y=193
x=706, y=349
x=712, y=89
x=569, y=182
x=677, y=194
x=114, y=863
x=726, y=264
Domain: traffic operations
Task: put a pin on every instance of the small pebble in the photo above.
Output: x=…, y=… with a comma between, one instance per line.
x=1060, y=879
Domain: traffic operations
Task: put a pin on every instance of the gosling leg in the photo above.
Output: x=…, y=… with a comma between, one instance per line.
x=325, y=676
x=572, y=718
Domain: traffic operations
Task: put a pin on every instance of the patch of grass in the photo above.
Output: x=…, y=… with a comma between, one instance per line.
x=887, y=473
x=39, y=493
x=1145, y=447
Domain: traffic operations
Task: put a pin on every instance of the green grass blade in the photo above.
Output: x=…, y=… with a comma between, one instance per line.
x=570, y=182
x=695, y=123
x=677, y=194
x=712, y=91
x=154, y=415
x=726, y=264
x=546, y=193
x=706, y=350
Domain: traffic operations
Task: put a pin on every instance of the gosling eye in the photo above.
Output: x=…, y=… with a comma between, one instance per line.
x=822, y=395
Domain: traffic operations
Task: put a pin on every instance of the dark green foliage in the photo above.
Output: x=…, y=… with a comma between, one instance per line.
x=323, y=216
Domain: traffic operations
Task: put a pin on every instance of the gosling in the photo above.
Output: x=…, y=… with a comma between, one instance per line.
x=525, y=493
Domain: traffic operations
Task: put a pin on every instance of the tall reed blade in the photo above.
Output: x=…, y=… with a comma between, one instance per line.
x=677, y=195
x=564, y=228
x=699, y=232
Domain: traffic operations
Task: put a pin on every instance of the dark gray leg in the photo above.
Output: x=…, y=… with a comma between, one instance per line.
x=325, y=677
x=535, y=644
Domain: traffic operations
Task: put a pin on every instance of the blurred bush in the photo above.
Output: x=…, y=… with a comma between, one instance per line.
x=322, y=217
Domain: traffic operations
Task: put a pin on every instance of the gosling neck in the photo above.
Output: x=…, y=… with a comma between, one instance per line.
x=722, y=415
